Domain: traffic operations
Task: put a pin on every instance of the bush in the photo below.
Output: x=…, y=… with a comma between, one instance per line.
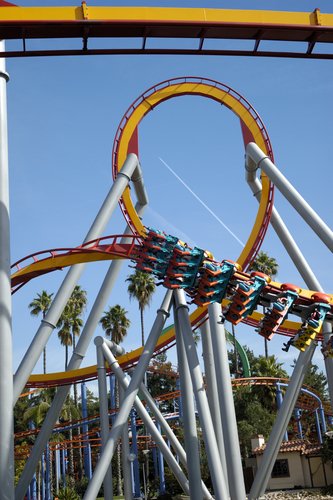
x=68, y=493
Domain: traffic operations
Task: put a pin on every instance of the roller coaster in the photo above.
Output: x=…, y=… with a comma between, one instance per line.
x=309, y=408
x=221, y=290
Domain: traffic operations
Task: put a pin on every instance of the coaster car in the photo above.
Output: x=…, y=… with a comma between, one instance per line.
x=278, y=311
x=246, y=297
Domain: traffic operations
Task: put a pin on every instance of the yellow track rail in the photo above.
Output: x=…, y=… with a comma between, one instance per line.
x=128, y=129
x=158, y=14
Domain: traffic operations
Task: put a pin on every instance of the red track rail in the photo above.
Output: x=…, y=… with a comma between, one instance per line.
x=106, y=245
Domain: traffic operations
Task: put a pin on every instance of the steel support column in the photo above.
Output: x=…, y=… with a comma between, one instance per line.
x=49, y=323
x=255, y=158
x=124, y=381
x=279, y=401
x=74, y=363
x=299, y=261
x=129, y=396
x=6, y=362
x=134, y=451
x=230, y=433
x=189, y=423
x=126, y=455
x=172, y=440
x=273, y=446
x=212, y=391
x=104, y=413
x=217, y=473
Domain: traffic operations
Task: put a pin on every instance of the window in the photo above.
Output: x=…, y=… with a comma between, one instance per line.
x=281, y=469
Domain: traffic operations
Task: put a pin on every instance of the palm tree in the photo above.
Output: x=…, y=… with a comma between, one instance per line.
x=141, y=287
x=115, y=324
x=64, y=334
x=267, y=367
x=70, y=322
x=263, y=263
x=41, y=304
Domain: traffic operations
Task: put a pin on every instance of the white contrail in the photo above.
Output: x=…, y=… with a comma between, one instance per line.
x=202, y=203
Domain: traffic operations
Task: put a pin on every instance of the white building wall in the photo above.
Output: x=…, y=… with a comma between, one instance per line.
x=296, y=477
x=300, y=472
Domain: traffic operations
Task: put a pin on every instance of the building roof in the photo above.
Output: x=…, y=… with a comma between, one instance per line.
x=302, y=446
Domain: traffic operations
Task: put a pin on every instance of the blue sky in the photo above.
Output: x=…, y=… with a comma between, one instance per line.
x=63, y=114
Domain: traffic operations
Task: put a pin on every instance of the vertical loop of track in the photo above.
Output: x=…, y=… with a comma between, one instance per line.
x=253, y=129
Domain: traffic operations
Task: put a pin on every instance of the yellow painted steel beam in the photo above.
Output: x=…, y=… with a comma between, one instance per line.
x=160, y=14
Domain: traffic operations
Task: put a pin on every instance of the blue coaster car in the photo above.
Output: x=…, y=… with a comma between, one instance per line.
x=184, y=272
x=246, y=298
x=278, y=311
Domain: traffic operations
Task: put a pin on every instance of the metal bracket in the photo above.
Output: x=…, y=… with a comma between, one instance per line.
x=318, y=17
x=84, y=10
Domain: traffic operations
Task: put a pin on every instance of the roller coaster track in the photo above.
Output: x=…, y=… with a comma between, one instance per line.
x=253, y=129
x=45, y=261
x=144, y=24
x=308, y=400
x=109, y=247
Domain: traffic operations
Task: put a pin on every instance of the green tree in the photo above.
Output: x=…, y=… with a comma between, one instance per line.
x=263, y=263
x=236, y=366
x=255, y=405
x=252, y=418
x=70, y=322
x=162, y=380
x=268, y=367
x=141, y=287
x=70, y=325
x=315, y=379
x=40, y=305
x=115, y=323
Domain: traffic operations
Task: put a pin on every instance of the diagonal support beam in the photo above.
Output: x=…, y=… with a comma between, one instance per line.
x=130, y=394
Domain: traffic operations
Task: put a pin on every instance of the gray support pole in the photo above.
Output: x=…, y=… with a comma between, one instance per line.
x=131, y=392
x=300, y=263
x=6, y=363
x=104, y=415
x=189, y=423
x=211, y=389
x=148, y=422
x=217, y=473
x=172, y=439
x=179, y=450
x=322, y=418
x=57, y=469
x=256, y=158
x=49, y=323
x=273, y=446
x=125, y=455
x=279, y=401
x=124, y=381
x=74, y=363
x=285, y=237
x=230, y=433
